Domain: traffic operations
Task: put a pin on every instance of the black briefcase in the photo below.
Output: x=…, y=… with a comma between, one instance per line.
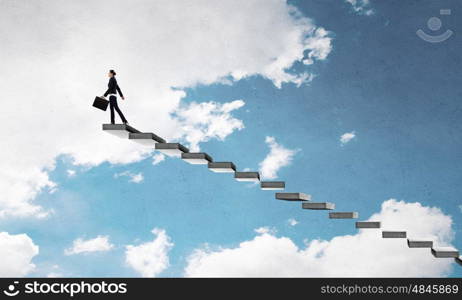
x=100, y=103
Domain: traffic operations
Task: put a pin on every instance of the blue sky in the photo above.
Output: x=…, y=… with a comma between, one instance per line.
x=400, y=95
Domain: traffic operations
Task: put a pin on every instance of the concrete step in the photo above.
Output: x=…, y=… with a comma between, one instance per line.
x=171, y=149
x=247, y=176
x=119, y=130
x=419, y=243
x=343, y=215
x=272, y=185
x=367, y=224
x=145, y=138
x=293, y=196
x=318, y=205
x=445, y=252
x=222, y=167
x=394, y=234
x=196, y=158
x=458, y=260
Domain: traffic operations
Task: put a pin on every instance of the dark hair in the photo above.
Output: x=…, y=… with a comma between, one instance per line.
x=113, y=72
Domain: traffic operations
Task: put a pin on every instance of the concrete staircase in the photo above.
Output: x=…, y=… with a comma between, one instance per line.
x=177, y=150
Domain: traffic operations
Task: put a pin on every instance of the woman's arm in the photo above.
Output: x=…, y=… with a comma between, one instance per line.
x=120, y=92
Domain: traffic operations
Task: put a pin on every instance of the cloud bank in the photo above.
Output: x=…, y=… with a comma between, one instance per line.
x=17, y=251
x=364, y=254
x=157, y=48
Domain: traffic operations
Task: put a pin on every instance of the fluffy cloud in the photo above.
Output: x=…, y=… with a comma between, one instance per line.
x=361, y=7
x=347, y=137
x=150, y=258
x=320, y=45
x=201, y=122
x=98, y=244
x=158, y=158
x=157, y=47
x=265, y=229
x=292, y=222
x=55, y=272
x=363, y=254
x=278, y=157
x=17, y=252
x=54, y=275
x=133, y=177
x=70, y=173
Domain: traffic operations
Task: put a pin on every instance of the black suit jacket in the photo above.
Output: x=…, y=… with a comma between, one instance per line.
x=112, y=87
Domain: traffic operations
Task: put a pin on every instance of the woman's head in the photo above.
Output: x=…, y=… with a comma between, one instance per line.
x=111, y=73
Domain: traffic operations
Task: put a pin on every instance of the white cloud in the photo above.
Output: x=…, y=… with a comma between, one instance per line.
x=320, y=45
x=98, y=244
x=134, y=177
x=70, y=173
x=365, y=253
x=292, y=222
x=158, y=158
x=265, y=229
x=17, y=252
x=54, y=273
x=201, y=122
x=137, y=178
x=347, y=137
x=150, y=258
x=278, y=157
x=186, y=44
x=361, y=7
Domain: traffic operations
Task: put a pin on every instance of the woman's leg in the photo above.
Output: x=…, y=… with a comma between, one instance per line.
x=116, y=107
x=111, y=106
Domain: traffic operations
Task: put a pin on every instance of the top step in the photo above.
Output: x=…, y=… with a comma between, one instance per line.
x=119, y=130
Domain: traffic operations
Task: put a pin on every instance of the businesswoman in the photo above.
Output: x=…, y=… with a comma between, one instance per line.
x=112, y=90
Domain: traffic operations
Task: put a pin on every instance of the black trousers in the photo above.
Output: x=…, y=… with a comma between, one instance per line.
x=113, y=105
